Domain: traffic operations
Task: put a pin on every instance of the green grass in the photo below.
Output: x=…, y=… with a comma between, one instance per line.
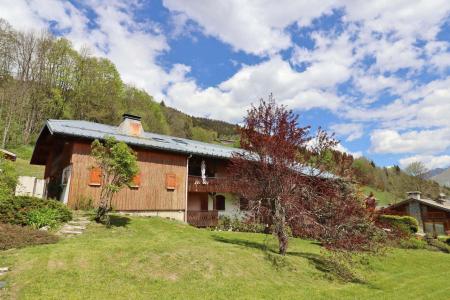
x=24, y=168
x=383, y=198
x=22, y=163
x=151, y=258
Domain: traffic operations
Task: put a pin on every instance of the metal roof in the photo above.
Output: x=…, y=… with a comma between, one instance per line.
x=445, y=205
x=91, y=130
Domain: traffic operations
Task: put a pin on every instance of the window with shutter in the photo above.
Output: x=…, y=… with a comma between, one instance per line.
x=136, y=182
x=171, y=181
x=96, y=176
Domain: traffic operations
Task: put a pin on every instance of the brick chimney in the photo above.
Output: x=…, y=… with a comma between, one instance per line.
x=131, y=125
x=414, y=195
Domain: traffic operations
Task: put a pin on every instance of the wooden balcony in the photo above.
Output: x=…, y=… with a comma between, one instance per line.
x=203, y=218
x=435, y=215
x=209, y=185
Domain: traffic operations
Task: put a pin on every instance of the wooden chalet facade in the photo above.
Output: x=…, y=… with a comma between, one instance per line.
x=179, y=178
x=433, y=215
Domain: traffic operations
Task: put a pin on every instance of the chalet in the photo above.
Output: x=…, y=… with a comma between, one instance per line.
x=179, y=178
x=433, y=215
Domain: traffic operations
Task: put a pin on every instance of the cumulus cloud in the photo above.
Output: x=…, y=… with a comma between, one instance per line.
x=430, y=161
x=352, y=131
x=425, y=141
x=256, y=27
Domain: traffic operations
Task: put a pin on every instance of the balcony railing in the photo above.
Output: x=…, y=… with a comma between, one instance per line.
x=435, y=215
x=203, y=218
x=207, y=185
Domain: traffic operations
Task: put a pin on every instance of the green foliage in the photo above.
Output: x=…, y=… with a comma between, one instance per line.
x=234, y=224
x=14, y=236
x=118, y=163
x=73, y=84
x=406, y=223
x=8, y=178
x=16, y=210
x=203, y=135
x=412, y=243
x=84, y=203
x=441, y=246
x=42, y=217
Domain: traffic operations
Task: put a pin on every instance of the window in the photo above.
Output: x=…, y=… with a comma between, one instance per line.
x=171, y=181
x=136, y=182
x=243, y=203
x=95, y=176
x=220, y=202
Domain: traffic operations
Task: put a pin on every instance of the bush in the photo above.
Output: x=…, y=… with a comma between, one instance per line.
x=437, y=244
x=14, y=236
x=413, y=243
x=8, y=178
x=234, y=224
x=404, y=223
x=41, y=217
x=17, y=210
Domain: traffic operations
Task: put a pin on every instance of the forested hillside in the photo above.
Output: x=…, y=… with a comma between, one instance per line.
x=44, y=77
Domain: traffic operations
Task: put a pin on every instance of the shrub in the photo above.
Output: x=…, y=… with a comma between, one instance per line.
x=8, y=178
x=437, y=244
x=16, y=210
x=234, y=224
x=14, y=236
x=405, y=223
x=41, y=217
x=413, y=243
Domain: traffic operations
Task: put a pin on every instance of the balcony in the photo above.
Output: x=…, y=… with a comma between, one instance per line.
x=210, y=185
x=203, y=218
x=435, y=215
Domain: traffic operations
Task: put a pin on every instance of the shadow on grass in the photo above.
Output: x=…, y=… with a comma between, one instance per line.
x=118, y=221
x=333, y=269
x=241, y=242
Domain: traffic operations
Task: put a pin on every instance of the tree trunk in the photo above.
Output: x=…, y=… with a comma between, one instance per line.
x=280, y=227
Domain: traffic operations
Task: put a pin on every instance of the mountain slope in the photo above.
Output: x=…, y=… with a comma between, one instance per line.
x=443, y=178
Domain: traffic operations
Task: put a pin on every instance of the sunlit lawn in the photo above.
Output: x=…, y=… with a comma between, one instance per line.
x=151, y=258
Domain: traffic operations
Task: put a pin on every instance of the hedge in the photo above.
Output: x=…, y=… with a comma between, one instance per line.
x=17, y=210
x=407, y=222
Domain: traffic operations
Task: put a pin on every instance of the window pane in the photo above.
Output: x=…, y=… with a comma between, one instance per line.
x=220, y=202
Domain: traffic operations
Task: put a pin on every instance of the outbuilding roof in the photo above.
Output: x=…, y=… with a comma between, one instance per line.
x=92, y=130
x=445, y=205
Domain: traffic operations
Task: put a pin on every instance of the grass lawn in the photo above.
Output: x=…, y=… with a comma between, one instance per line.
x=151, y=258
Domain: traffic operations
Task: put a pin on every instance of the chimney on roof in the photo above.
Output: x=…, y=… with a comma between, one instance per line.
x=414, y=195
x=131, y=125
x=441, y=199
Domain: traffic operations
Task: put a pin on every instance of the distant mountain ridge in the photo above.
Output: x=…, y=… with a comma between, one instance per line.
x=434, y=172
x=442, y=177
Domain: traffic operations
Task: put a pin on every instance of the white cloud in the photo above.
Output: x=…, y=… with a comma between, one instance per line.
x=343, y=149
x=230, y=99
x=352, y=131
x=425, y=141
x=430, y=161
x=256, y=27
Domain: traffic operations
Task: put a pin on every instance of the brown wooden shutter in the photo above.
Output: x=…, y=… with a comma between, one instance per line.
x=171, y=181
x=136, y=182
x=95, y=176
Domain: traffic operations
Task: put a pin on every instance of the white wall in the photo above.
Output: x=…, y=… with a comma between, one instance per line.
x=30, y=186
x=231, y=206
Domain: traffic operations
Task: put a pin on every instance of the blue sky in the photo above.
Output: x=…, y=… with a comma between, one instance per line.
x=375, y=72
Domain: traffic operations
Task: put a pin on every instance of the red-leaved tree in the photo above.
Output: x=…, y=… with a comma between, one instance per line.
x=292, y=190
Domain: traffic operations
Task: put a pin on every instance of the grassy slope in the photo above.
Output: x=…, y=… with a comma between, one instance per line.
x=154, y=258
x=384, y=198
x=22, y=163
